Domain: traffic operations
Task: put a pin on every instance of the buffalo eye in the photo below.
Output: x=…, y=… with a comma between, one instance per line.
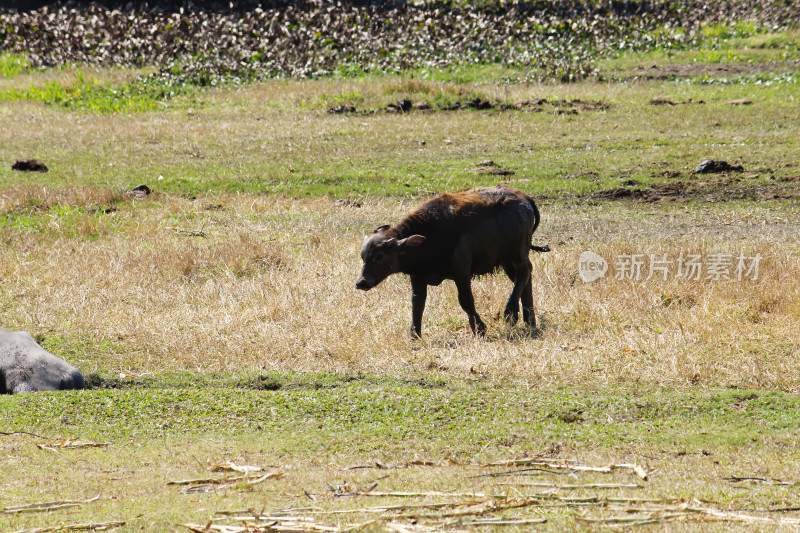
x=379, y=257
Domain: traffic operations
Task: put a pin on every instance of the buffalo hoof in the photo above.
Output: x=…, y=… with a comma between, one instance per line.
x=511, y=316
x=478, y=327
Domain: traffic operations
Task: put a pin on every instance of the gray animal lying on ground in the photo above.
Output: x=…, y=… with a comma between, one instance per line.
x=27, y=367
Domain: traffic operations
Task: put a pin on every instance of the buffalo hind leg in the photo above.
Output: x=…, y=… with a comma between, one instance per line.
x=528, y=313
x=521, y=276
x=467, y=303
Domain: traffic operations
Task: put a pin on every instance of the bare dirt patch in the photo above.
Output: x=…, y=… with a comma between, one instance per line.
x=536, y=105
x=691, y=70
x=688, y=191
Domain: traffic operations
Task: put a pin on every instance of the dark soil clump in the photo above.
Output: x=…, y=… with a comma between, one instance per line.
x=29, y=165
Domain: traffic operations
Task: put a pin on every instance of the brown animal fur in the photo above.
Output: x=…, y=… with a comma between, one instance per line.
x=459, y=236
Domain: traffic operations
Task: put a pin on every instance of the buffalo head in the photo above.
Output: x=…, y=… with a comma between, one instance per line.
x=383, y=255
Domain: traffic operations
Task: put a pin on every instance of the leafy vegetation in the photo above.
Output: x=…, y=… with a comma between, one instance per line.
x=544, y=40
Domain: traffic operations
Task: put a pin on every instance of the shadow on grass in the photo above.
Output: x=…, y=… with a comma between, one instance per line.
x=261, y=381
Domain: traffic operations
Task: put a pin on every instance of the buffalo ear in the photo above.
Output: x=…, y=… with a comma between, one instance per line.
x=381, y=228
x=411, y=242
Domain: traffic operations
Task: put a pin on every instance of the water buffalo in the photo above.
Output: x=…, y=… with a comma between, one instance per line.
x=27, y=367
x=459, y=236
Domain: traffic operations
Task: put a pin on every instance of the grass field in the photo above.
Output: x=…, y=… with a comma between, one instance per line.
x=217, y=320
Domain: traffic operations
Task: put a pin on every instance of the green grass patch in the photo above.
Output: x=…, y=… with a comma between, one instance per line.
x=88, y=94
x=63, y=220
x=12, y=65
x=385, y=412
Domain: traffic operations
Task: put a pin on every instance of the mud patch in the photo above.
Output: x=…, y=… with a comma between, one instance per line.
x=405, y=105
x=692, y=70
x=686, y=191
x=491, y=168
x=667, y=102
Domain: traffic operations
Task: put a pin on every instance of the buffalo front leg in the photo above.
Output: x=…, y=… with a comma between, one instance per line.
x=419, y=292
x=467, y=303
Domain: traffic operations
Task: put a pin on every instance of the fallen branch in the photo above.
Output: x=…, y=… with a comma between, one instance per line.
x=637, y=520
x=385, y=508
x=396, y=527
x=230, y=467
x=248, y=480
x=72, y=444
x=103, y=526
x=48, y=506
x=420, y=494
x=8, y=433
x=523, y=471
x=741, y=517
x=271, y=526
x=574, y=467
x=762, y=480
x=251, y=513
x=574, y=487
x=500, y=522
x=652, y=515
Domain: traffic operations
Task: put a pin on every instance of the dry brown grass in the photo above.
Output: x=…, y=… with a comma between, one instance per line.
x=22, y=198
x=131, y=482
x=265, y=282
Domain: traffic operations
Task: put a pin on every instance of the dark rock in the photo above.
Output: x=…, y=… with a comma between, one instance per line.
x=401, y=106
x=476, y=103
x=342, y=110
x=710, y=166
x=140, y=191
x=29, y=165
